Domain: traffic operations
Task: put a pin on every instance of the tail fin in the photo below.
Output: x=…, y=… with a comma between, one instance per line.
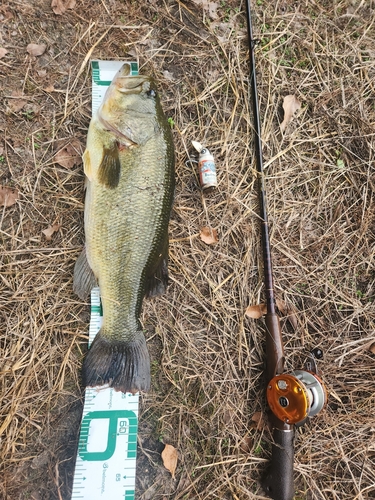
x=125, y=366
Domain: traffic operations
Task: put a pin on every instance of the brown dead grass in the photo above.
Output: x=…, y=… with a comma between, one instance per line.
x=207, y=357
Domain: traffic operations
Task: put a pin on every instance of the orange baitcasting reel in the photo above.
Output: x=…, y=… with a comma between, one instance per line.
x=294, y=397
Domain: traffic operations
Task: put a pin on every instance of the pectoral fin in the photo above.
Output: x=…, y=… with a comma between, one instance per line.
x=110, y=167
x=87, y=164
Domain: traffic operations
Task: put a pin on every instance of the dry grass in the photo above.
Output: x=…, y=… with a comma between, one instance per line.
x=207, y=357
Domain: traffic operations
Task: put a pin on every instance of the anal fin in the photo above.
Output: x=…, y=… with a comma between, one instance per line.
x=157, y=282
x=84, y=279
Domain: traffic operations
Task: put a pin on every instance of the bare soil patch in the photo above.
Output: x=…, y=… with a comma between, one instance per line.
x=207, y=392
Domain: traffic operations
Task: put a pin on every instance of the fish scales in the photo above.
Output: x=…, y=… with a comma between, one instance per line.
x=129, y=162
x=133, y=223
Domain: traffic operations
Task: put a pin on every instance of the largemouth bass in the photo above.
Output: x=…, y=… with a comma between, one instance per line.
x=129, y=165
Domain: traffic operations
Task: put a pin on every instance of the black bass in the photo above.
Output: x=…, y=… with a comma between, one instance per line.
x=129, y=165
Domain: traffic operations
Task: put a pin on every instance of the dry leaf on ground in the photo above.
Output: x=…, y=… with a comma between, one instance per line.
x=292, y=318
x=5, y=12
x=16, y=105
x=3, y=52
x=288, y=312
x=259, y=421
x=168, y=75
x=169, y=456
x=257, y=416
x=69, y=155
x=372, y=348
x=50, y=231
x=209, y=7
x=290, y=105
x=256, y=311
x=8, y=196
x=246, y=444
x=60, y=6
x=31, y=110
x=281, y=306
x=209, y=235
x=36, y=50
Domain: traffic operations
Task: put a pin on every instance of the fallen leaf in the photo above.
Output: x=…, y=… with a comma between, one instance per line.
x=49, y=89
x=8, y=196
x=36, y=50
x=209, y=7
x=50, y=231
x=133, y=53
x=17, y=93
x=256, y=311
x=40, y=460
x=3, y=52
x=372, y=348
x=6, y=13
x=60, y=6
x=292, y=318
x=69, y=155
x=246, y=444
x=212, y=10
x=169, y=456
x=259, y=421
x=16, y=105
x=288, y=312
x=290, y=105
x=209, y=235
x=168, y=75
x=281, y=306
x=228, y=415
x=257, y=416
x=31, y=110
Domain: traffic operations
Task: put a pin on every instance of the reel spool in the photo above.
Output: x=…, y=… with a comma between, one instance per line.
x=294, y=397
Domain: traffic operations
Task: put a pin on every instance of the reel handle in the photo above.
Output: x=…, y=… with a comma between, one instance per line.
x=278, y=481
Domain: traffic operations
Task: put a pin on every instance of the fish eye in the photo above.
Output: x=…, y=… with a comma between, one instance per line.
x=152, y=93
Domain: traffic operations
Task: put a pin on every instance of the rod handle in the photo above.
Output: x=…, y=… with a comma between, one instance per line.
x=278, y=481
x=274, y=346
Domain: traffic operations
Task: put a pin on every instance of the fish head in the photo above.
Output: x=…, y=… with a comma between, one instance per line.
x=130, y=105
x=131, y=93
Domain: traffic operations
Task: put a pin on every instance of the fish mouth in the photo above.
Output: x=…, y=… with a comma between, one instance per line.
x=133, y=84
x=127, y=83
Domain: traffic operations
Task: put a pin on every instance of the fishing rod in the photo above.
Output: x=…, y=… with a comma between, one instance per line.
x=292, y=397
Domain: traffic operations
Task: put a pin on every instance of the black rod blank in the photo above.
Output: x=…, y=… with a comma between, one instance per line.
x=268, y=276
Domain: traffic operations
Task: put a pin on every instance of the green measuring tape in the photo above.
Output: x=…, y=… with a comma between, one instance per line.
x=107, y=449
x=106, y=458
